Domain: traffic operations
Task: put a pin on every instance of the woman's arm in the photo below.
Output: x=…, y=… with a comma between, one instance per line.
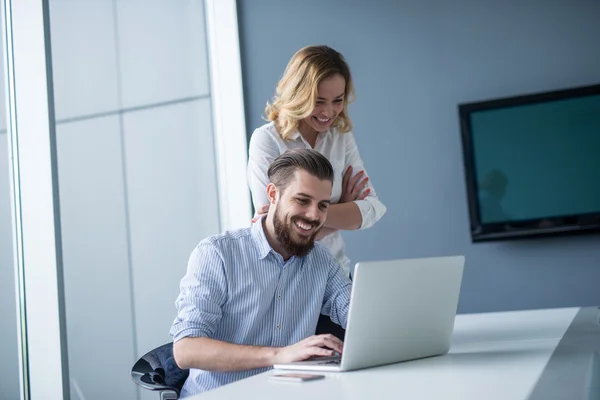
x=359, y=206
x=343, y=216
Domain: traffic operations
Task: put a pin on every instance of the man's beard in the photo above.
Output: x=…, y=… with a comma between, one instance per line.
x=285, y=234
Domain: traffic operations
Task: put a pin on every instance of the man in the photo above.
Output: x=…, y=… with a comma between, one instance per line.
x=252, y=297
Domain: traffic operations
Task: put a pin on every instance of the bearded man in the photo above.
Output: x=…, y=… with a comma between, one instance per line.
x=252, y=297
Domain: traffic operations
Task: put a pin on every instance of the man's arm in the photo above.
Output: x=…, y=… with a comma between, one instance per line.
x=203, y=292
x=215, y=355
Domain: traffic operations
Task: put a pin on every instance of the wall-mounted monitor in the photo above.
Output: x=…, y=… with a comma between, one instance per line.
x=532, y=164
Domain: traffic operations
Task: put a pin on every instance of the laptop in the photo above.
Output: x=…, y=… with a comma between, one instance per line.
x=400, y=310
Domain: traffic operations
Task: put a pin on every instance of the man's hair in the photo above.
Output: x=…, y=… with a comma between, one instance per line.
x=282, y=169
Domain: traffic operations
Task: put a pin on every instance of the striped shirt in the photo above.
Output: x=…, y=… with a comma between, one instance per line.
x=237, y=289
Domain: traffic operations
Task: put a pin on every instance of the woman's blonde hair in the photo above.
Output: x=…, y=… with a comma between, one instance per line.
x=296, y=94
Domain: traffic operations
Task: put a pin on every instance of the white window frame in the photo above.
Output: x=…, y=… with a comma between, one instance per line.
x=229, y=123
x=36, y=212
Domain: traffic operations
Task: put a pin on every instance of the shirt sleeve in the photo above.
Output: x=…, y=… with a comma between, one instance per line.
x=336, y=301
x=262, y=152
x=203, y=292
x=371, y=208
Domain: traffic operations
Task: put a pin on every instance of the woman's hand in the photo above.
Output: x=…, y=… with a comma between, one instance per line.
x=260, y=212
x=353, y=185
x=324, y=231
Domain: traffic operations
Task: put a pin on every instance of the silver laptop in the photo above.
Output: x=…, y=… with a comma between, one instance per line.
x=400, y=310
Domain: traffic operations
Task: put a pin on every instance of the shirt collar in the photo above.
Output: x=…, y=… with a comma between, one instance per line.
x=258, y=233
x=296, y=134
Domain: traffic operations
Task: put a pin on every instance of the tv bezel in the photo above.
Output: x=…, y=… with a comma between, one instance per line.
x=553, y=226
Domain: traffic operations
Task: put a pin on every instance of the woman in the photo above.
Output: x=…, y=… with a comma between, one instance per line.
x=310, y=110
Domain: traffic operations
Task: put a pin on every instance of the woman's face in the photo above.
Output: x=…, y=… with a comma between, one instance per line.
x=330, y=103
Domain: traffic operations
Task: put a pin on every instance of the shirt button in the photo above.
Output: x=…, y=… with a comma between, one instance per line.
x=279, y=296
x=278, y=326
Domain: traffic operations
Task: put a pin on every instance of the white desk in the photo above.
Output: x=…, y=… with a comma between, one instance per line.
x=493, y=356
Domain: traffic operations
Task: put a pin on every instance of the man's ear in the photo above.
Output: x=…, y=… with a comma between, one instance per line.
x=272, y=193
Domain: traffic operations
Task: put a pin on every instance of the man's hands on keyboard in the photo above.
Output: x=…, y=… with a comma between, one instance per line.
x=315, y=346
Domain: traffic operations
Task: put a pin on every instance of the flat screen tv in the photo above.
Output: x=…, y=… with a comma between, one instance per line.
x=532, y=164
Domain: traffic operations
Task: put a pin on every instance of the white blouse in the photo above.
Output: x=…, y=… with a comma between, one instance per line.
x=266, y=144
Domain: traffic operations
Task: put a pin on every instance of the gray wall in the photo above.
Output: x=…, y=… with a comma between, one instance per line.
x=413, y=62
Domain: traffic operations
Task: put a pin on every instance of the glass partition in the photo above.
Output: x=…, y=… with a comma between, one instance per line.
x=9, y=368
x=116, y=182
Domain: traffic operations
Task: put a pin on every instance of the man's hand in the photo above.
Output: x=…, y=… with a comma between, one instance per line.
x=314, y=346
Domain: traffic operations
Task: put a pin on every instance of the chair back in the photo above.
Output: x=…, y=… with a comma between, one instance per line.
x=157, y=370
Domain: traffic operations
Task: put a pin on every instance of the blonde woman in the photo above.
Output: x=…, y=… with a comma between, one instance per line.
x=310, y=110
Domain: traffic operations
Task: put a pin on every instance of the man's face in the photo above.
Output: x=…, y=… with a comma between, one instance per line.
x=300, y=212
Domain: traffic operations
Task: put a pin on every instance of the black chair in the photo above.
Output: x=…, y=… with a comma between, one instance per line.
x=158, y=371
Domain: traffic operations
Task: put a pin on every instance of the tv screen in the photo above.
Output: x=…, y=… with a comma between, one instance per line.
x=532, y=164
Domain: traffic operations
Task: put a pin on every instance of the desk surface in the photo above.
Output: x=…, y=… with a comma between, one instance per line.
x=493, y=356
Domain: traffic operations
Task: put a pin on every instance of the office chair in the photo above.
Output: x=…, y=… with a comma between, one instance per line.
x=157, y=371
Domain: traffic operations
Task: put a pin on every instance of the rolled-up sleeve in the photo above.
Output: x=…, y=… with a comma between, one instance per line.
x=336, y=301
x=371, y=209
x=261, y=153
x=203, y=292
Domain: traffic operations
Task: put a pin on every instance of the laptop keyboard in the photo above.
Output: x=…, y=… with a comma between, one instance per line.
x=330, y=362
